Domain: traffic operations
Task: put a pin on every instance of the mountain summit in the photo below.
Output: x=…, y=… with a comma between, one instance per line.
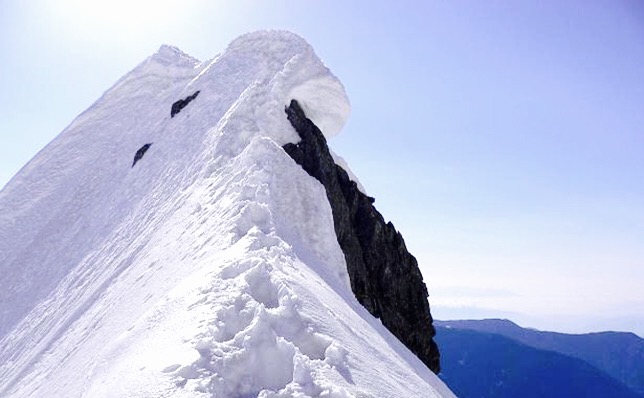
x=191, y=235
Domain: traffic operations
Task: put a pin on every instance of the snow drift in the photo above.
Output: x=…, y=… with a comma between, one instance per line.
x=209, y=268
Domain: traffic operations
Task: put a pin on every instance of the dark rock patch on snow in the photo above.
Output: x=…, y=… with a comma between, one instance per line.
x=139, y=154
x=182, y=103
x=385, y=277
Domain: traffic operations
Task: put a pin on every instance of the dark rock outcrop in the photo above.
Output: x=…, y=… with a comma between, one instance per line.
x=182, y=103
x=139, y=154
x=385, y=278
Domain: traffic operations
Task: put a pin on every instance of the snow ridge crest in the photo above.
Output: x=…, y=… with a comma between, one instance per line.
x=209, y=269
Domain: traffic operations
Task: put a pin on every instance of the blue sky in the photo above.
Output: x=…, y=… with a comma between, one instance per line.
x=503, y=139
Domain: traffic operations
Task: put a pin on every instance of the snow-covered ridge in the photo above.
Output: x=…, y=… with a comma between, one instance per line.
x=210, y=268
x=172, y=56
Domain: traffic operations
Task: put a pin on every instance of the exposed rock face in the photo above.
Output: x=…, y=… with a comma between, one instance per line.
x=139, y=154
x=182, y=103
x=385, y=278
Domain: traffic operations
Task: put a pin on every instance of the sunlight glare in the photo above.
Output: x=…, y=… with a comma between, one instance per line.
x=109, y=20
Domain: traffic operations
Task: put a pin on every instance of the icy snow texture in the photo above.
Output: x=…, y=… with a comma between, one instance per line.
x=211, y=268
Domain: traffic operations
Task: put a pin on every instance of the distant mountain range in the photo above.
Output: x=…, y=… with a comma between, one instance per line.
x=497, y=358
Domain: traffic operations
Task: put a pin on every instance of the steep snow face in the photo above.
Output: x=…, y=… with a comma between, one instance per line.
x=210, y=267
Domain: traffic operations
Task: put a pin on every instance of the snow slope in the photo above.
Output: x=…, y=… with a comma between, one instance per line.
x=208, y=269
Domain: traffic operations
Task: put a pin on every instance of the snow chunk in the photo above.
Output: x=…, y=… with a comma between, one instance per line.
x=302, y=76
x=324, y=101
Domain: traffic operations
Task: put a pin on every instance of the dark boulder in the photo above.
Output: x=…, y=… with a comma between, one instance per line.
x=385, y=278
x=139, y=154
x=182, y=103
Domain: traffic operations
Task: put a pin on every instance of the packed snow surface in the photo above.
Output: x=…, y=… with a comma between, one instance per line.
x=208, y=269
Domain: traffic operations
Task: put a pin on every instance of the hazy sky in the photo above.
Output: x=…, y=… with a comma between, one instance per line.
x=505, y=140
